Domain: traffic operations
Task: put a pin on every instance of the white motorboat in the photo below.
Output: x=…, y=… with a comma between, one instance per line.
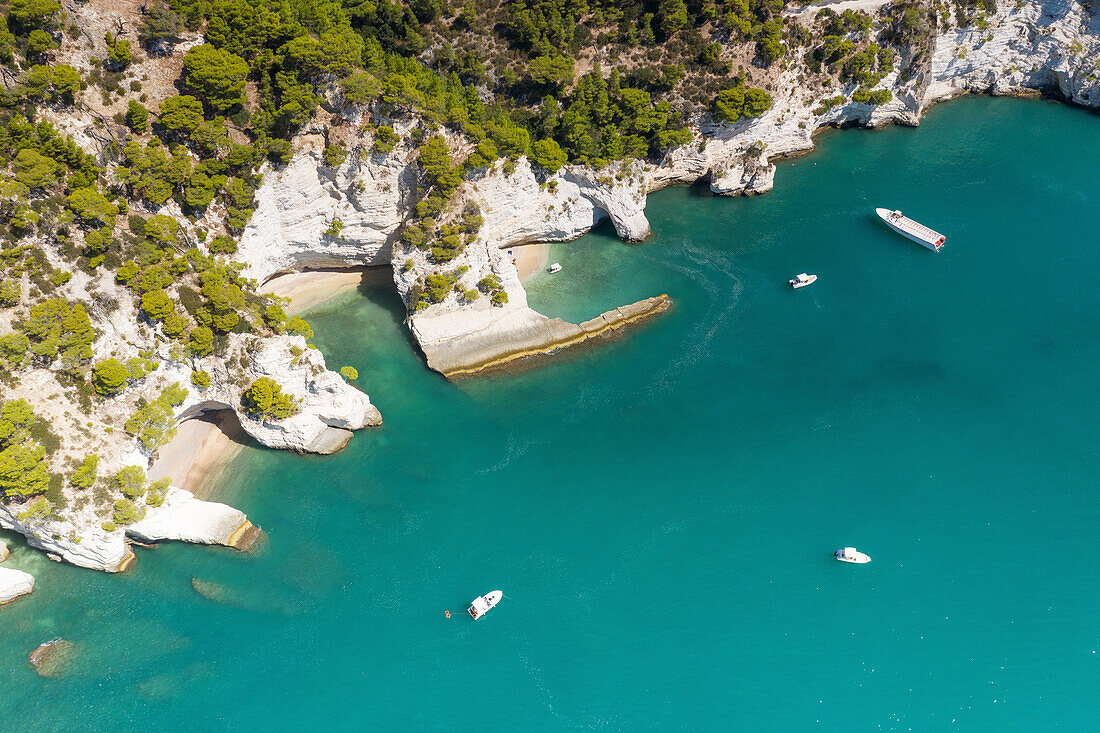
x=910, y=229
x=483, y=604
x=556, y=267
x=802, y=280
x=851, y=554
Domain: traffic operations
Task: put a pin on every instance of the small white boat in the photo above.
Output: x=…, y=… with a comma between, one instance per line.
x=483, y=604
x=802, y=280
x=851, y=554
x=910, y=229
x=556, y=267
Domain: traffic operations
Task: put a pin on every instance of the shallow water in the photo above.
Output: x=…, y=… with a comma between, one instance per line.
x=661, y=511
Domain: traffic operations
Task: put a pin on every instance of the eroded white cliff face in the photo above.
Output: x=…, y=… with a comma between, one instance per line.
x=80, y=539
x=296, y=205
x=330, y=407
x=1049, y=46
x=14, y=584
x=184, y=518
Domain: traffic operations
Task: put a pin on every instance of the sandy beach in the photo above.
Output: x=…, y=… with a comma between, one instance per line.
x=312, y=288
x=530, y=259
x=202, y=447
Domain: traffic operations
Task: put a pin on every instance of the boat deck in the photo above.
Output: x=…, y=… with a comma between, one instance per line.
x=916, y=229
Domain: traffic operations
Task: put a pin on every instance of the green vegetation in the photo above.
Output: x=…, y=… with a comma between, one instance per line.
x=153, y=423
x=56, y=329
x=349, y=372
x=22, y=458
x=732, y=104
x=127, y=512
x=109, y=377
x=265, y=400
x=200, y=379
x=216, y=76
x=130, y=481
x=86, y=473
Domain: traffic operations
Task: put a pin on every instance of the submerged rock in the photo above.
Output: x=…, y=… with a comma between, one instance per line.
x=52, y=658
x=14, y=584
x=4, y=554
x=208, y=589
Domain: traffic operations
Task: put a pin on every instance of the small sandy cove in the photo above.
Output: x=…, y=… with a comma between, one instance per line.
x=203, y=446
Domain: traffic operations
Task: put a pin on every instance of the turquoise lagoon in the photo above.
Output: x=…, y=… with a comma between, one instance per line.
x=661, y=511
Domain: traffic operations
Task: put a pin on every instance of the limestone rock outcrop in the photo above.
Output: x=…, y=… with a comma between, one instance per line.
x=184, y=518
x=78, y=539
x=297, y=204
x=14, y=584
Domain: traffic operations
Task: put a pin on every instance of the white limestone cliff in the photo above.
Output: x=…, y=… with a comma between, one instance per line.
x=14, y=584
x=296, y=205
x=80, y=539
x=184, y=518
x=330, y=408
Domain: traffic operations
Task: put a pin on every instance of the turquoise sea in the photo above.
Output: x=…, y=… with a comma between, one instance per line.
x=661, y=512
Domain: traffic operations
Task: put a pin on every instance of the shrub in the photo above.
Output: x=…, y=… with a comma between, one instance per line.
x=86, y=473
x=548, y=155
x=119, y=55
x=863, y=95
x=153, y=423
x=127, y=512
x=489, y=282
x=732, y=104
x=156, y=305
x=130, y=481
x=35, y=170
x=92, y=206
x=200, y=379
x=265, y=400
x=23, y=470
x=499, y=298
x=298, y=326
x=40, y=508
x=180, y=114
x=157, y=492
x=349, y=372
x=109, y=377
x=215, y=75
x=10, y=293
x=335, y=155
x=201, y=342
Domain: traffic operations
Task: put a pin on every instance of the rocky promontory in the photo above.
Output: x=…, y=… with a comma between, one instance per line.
x=14, y=584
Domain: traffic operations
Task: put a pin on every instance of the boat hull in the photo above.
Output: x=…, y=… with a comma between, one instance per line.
x=933, y=244
x=483, y=604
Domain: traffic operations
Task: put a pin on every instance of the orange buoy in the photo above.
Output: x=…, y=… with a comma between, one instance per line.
x=447, y=614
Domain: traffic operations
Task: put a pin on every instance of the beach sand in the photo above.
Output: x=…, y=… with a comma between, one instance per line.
x=203, y=446
x=530, y=259
x=312, y=288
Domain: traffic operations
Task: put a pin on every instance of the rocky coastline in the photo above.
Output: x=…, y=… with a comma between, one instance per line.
x=1029, y=48
x=1050, y=47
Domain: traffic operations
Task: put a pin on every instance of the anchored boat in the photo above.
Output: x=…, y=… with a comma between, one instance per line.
x=483, y=604
x=910, y=229
x=802, y=280
x=556, y=267
x=851, y=554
